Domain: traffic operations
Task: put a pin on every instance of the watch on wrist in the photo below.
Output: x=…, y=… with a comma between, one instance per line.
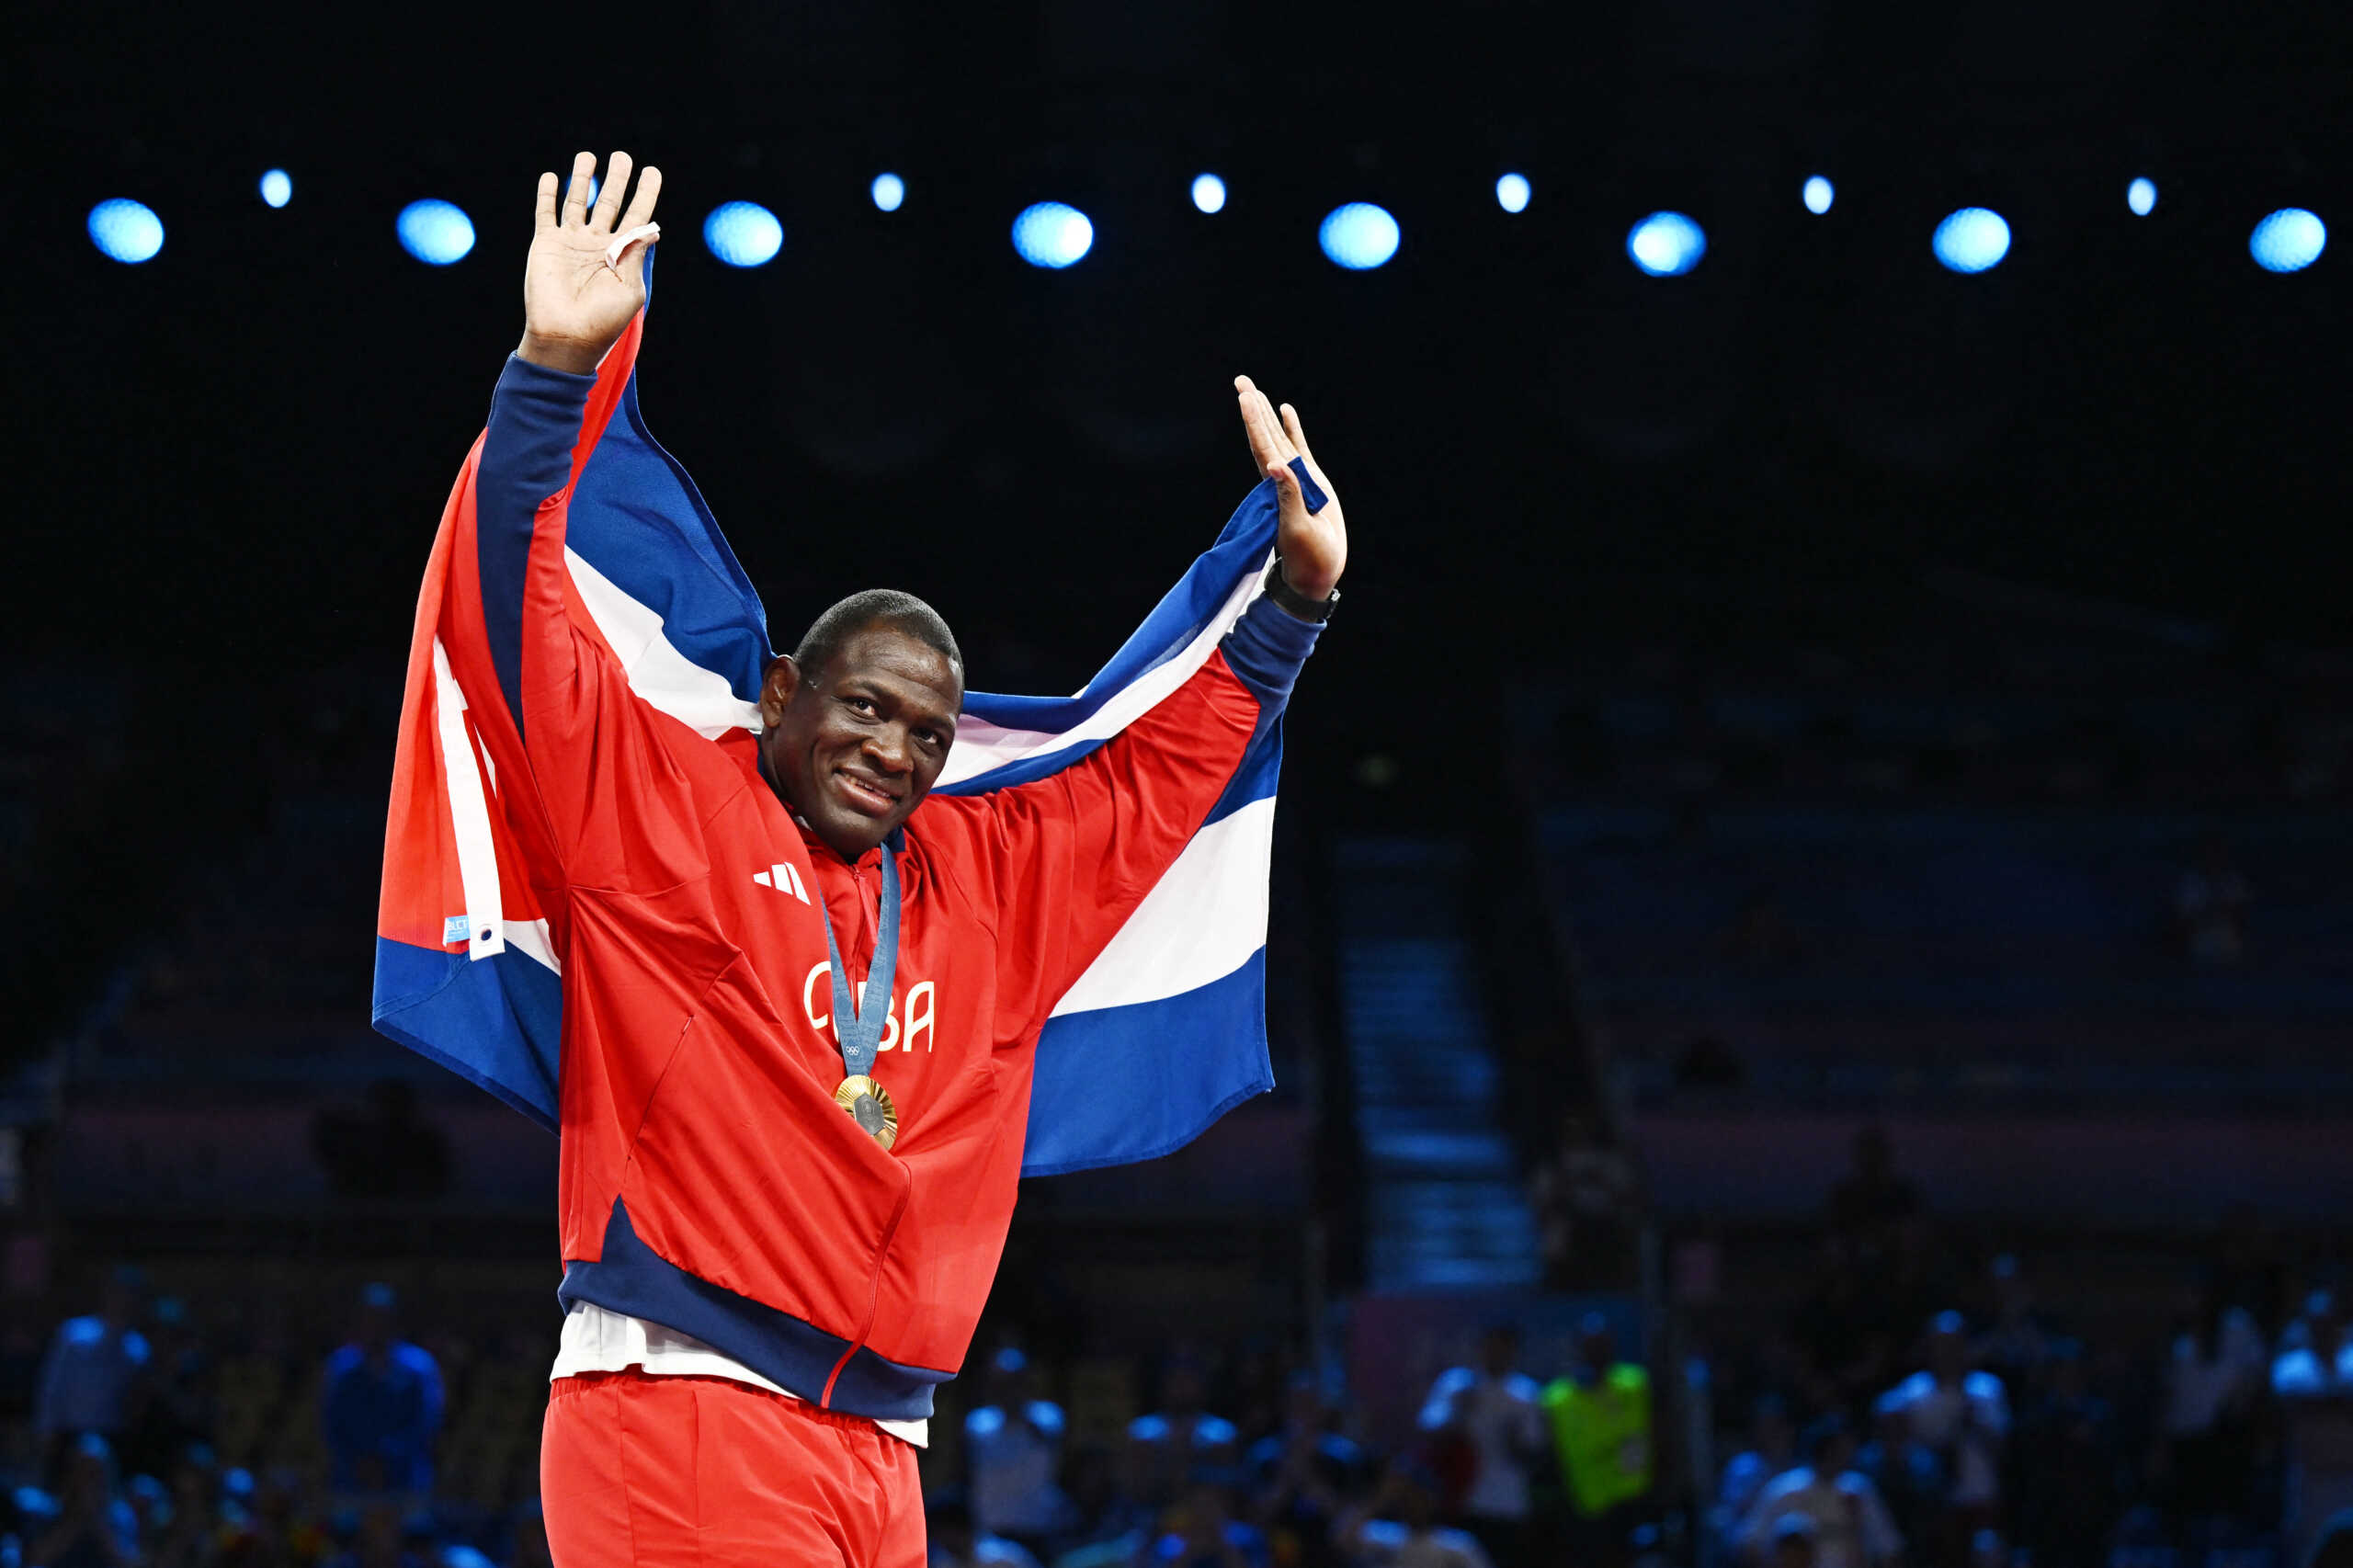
x=1279, y=589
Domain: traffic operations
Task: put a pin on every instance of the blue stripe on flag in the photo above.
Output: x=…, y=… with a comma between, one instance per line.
x=638, y=519
x=1134, y=1083
x=503, y=1012
x=1025, y=770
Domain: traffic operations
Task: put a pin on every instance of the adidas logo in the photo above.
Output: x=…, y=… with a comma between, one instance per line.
x=784, y=879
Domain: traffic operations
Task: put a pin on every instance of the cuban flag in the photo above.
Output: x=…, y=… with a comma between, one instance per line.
x=1162, y=1035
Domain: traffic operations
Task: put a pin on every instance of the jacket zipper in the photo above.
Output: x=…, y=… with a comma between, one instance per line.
x=873, y=1291
x=869, y=933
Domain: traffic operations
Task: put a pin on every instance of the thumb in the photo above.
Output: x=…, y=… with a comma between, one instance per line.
x=1287, y=482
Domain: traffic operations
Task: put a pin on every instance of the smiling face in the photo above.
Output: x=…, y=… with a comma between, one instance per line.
x=853, y=746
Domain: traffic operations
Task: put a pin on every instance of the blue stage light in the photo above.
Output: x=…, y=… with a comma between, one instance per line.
x=1358, y=236
x=126, y=230
x=2142, y=197
x=1971, y=240
x=1512, y=192
x=1666, y=245
x=277, y=187
x=1052, y=234
x=435, y=233
x=742, y=233
x=889, y=191
x=2289, y=240
x=1208, y=193
x=1819, y=194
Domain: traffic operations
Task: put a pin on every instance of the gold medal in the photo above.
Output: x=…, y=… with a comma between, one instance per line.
x=870, y=1105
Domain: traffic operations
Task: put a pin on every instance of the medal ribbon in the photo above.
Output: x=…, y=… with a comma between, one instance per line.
x=861, y=1033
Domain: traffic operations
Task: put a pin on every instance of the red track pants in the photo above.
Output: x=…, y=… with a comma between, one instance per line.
x=639, y=1472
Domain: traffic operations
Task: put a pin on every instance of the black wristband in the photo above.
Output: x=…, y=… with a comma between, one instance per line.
x=1295, y=603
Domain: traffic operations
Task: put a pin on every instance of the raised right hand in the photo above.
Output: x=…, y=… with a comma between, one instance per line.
x=574, y=306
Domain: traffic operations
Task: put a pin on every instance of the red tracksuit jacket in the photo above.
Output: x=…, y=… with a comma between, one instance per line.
x=710, y=1182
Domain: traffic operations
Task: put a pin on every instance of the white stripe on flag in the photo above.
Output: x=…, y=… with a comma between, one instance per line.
x=702, y=700
x=1201, y=921
x=469, y=814
x=531, y=938
x=983, y=747
x=699, y=699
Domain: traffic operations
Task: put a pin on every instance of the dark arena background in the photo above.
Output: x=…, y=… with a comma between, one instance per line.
x=1813, y=906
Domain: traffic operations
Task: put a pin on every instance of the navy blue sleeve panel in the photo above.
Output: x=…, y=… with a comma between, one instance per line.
x=535, y=418
x=1264, y=650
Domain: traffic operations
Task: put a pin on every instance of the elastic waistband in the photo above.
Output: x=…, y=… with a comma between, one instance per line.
x=573, y=1385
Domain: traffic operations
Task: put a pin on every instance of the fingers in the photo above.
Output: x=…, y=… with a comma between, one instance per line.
x=1268, y=445
x=641, y=207
x=1315, y=479
x=1298, y=435
x=575, y=195
x=546, y=218
x=608, y=195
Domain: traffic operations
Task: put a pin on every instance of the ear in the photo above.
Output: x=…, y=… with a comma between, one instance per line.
x=777, y=689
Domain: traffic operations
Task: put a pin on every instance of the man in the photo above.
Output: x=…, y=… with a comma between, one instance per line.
x=1013, y=1446
x=1583, y=1195
x=381, y=1405
x=2068, y=1468
x=1490, y=1413
x=172, y=1406
x=1398, y=1527
x=93, y=1525
x=1199, y=1530
x=1299, y=1473
x=2022, y=1339
x=1771, y=1452
x=1600, y=1415
x=1181, y=1443
x=1962, y=1417
x=777, y=1240
x=2313, y=1382
x=1851, y=1527
x=92, y=1367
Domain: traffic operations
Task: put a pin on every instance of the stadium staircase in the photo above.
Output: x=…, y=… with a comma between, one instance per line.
x=1444, y=1202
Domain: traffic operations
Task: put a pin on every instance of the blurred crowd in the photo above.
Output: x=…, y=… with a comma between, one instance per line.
x=139, y=1435
x=1911, y=1411
x=1906, y=1414
x=142, y=1435
x=1499, y=1470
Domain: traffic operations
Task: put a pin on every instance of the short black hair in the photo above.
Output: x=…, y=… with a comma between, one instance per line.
x=875, y=607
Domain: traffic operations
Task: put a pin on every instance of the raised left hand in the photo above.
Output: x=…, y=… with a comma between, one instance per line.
x=1314, y=549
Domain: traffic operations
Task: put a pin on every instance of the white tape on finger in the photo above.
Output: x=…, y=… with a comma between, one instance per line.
x=648, y=232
